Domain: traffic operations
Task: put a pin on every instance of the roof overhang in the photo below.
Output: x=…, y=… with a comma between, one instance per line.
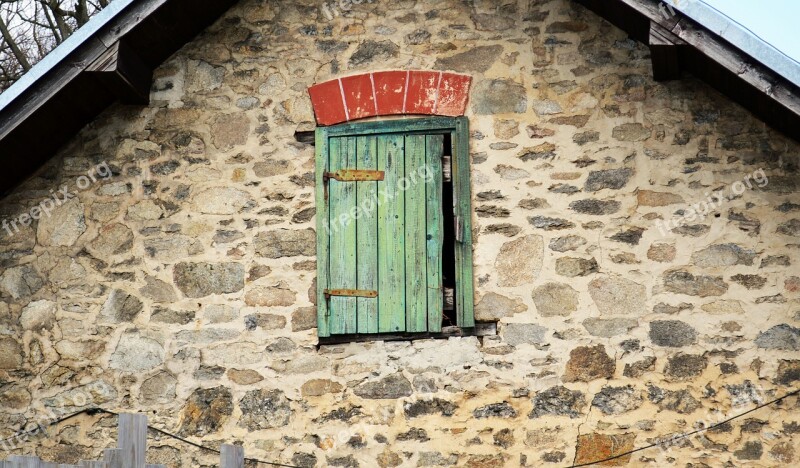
x=110, y=59
x=680, y=44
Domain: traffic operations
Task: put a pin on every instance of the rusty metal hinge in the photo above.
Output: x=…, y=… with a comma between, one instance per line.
x=353, y=175
x=349, y=293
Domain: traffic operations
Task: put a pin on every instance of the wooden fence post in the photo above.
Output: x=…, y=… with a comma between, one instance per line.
x=113, y=458
x=133, y=439
x=24, y=462
x=231, y=456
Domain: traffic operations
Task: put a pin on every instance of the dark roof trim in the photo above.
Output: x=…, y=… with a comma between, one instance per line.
x=111, y=58
x=680, y=44
x=740, y=36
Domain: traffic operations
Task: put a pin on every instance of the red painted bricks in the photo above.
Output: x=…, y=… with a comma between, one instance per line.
x=397, y=92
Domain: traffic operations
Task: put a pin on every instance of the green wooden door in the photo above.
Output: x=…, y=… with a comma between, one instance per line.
x=383, y=234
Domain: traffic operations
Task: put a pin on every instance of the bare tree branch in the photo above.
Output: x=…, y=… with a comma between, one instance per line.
x=30, y=29
x=12, y=44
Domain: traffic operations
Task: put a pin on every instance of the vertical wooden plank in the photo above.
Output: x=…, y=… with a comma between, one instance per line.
x=342, y=201
x=19, y=461
x=132, y=439
x=435, y=231
x=462, y=202
x=92, y=464
x=413, y=188
x=367, y=235
x=113, y=458
x=231, y=456
x=391, y=238
x=321, y=148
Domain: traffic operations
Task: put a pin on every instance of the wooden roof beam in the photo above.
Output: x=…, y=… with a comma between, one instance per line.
x=121, y=70
x=665, y=52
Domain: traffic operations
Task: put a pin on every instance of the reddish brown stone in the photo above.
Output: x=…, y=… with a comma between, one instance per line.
x=587, y=363
x=595, y=447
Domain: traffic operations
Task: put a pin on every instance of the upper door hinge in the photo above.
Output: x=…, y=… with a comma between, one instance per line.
x=353, y=175
x=349, y=293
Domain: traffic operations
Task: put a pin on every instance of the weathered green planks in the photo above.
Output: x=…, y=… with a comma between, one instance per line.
x=435, y=230
x=323, y=228
x=342, y=200
x=463, y=210
x=413, y=187
x=391, y=236
x=387, y=235
x=367, y=235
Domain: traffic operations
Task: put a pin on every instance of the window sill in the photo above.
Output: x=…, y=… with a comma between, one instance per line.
x=480, y=329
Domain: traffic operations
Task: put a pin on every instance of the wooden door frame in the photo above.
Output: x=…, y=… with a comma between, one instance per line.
x=458, y=128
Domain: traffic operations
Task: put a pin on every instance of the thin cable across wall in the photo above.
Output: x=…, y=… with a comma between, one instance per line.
x=686, y=435
x=95, y=411
x=672, y=439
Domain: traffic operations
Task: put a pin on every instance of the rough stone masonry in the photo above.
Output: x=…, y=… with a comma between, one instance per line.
x=183, y=285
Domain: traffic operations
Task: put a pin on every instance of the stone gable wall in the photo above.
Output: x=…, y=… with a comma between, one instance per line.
x=182, y=285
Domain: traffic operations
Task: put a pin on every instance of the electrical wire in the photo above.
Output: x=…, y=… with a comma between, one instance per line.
x=95, y=411
x=689, y=434
x=673, y=439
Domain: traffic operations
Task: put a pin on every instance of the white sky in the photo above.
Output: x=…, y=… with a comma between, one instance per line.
x=774, y=21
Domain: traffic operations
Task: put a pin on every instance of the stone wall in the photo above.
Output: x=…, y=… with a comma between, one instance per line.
x=182, y=285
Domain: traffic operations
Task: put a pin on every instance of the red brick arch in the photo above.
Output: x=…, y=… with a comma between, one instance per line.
x=411, y=92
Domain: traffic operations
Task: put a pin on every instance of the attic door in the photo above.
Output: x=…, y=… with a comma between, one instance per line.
x=383, y=195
